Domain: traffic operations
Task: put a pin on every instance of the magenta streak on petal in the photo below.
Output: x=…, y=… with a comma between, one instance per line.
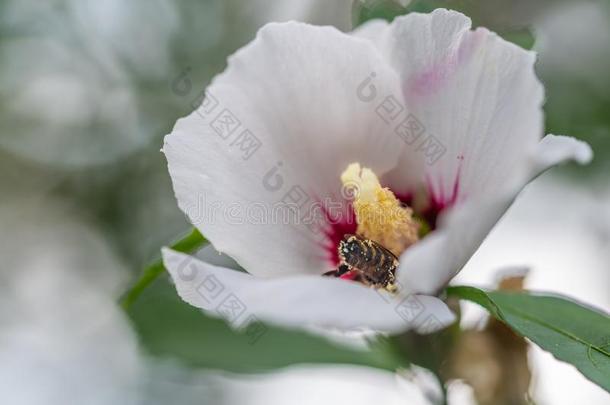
x=427, y=81
x=405, y=197
x=437, y=202
x=430, y=80
x=335, y=229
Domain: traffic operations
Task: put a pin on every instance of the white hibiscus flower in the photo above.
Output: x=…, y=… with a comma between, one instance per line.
x=436, y=125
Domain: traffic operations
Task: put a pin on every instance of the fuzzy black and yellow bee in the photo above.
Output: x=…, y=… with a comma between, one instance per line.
x=371, y=263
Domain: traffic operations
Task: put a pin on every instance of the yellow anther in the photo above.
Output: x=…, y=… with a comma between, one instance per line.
x=380, y=215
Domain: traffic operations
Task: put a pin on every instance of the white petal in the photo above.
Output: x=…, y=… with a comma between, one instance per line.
x=479, y=97
x=430, y=264
x=475, y=95
x=373, y=30
x=295, y=88
x=300, y=301
x=555, y=149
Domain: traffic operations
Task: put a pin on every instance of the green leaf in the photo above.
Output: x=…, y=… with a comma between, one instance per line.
x=169, y=327
x=370, y=10
x=187, y=244
x=572, y=332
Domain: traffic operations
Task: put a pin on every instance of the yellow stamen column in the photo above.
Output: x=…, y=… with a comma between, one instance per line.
x=380, y=215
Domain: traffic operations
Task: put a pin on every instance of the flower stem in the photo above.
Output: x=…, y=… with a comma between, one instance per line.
x=187, y=244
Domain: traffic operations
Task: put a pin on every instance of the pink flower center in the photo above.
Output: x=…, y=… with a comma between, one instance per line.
x=340, y=225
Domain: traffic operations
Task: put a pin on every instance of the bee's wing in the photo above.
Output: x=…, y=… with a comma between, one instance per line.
x=384, y=250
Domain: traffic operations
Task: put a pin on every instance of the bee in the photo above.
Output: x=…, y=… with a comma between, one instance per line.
x=368, y=261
